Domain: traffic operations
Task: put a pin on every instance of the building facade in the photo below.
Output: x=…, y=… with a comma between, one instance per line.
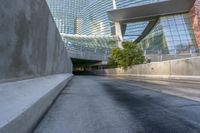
x=65, y=13
x=89, y=17
x=195, y=20
x=170, y=33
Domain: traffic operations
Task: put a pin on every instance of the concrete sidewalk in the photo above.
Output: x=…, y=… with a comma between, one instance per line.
x=24, y=102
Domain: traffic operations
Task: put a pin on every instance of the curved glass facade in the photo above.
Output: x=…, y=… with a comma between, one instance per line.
x=170, y=33
x=134, y=30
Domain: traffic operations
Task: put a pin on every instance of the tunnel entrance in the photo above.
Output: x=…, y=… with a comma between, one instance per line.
x=85, y=67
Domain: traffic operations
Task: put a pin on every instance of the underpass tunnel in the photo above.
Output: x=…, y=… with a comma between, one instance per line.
x=85, y=67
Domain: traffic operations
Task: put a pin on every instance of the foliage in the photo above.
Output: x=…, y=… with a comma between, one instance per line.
x=130, y=55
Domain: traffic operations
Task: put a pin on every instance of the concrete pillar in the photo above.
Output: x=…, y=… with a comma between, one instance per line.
x=114, y=4
x=118, y=32
x=118, y=28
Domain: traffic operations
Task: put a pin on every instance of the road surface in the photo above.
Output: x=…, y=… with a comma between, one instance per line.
x=91, y=104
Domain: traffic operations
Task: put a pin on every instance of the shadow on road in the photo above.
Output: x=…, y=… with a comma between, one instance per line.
x=154, y=118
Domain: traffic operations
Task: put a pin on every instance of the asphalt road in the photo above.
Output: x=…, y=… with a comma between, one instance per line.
x=92, y=104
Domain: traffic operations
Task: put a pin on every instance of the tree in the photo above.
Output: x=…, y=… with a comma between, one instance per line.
x=130, y=55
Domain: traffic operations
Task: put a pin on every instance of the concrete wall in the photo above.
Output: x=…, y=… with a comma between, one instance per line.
x=30, y=44
x=183, y=67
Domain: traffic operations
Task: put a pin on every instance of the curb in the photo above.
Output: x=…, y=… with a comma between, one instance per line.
x=164, y=77
x=22, y=113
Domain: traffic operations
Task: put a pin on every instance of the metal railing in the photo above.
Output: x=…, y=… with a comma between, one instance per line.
x=163, y=55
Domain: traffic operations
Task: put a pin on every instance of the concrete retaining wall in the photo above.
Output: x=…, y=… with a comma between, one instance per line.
x=182, y=67
x=30, y=44
x=33, y=57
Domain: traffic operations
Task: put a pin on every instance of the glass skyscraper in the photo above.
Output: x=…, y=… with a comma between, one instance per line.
x=65, y=13
x=89, y=17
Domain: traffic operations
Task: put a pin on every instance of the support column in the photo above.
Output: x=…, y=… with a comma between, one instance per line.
x=118, y=32
x=114, y=4
x=118, y=28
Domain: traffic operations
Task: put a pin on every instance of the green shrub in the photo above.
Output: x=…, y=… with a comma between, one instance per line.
x=130, y=55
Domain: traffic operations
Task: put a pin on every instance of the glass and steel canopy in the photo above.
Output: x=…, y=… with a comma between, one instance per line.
x=100, y=42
